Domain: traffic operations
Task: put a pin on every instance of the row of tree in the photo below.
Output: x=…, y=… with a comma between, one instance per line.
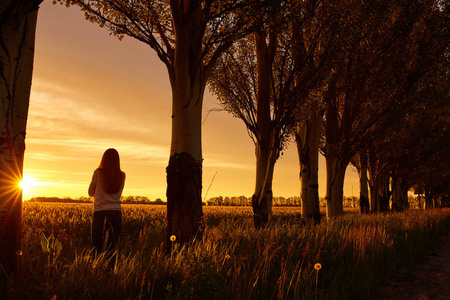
x=276, y=201
x=416, y=202
x=246, y=201
x=364, y=82
x=123, y=199
x=353, y=202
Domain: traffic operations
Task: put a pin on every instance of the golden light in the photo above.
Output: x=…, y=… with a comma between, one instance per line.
x=27, y=183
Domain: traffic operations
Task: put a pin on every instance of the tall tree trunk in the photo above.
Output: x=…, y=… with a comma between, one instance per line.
x=428, y=198
x=335, y=185
x=262, y=197
x=336, y=152
x=17, y=35
x=375, y=193
x=375, y=181
x=436, y=202
x=307, y=138
x=379, y=193
x=363, y=183
x=184, y=172
x=266, y=139
x=385, y=195
x=399, y=195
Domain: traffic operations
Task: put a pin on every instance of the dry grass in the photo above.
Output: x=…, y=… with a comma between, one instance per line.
x=233, y=261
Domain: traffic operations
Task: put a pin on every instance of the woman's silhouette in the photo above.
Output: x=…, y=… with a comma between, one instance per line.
x=106, y=187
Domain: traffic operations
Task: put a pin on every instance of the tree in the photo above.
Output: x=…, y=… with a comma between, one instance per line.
x=314, y=33
x=374, y=71
x=262, y=81
x=413, y=130
x=360, y=162
x=188, y=37
x=307, y=137
x=243, y=82
x=17, y=34
x=424, y=163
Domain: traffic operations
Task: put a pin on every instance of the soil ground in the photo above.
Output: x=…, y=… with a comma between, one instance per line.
x=430, y=279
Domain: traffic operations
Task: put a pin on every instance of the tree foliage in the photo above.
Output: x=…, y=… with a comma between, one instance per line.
x=160, y=24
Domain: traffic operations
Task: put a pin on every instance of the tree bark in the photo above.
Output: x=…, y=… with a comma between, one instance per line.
x=385, y=195
x=262, y=197
x=399, y=195
x=17, y=35
x=363, y=183
x=337, y=154
x=428, y=198
x=307, y=138
x=335, y=185
x=184, y=205
x=184, y=172
x=375, y=193
x=379, y=193
x=375, y=182
x=267, y=140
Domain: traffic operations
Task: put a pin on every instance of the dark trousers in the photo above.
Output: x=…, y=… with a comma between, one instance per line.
x=105, y=231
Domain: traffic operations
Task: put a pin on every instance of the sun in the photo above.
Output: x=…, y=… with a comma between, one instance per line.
x=27, y=183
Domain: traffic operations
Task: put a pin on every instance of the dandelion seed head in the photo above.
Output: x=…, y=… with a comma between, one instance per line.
x=173, y=238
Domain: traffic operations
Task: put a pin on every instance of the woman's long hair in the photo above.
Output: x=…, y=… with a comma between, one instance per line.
x=111, y=175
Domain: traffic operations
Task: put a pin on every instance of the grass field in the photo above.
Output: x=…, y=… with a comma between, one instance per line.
x=233, y=261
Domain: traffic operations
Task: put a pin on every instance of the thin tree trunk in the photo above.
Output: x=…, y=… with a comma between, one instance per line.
x=375, y=194
x=335, y=152
x=399, y=195
x=428, y=198
x=374, y=182
x=17, y=35
x=266, y=141
x=363, y=183
x=335, y=186
x=436, y=202
x=262, y=197
x=380, y=194
x=307, y=138
x=385, y=195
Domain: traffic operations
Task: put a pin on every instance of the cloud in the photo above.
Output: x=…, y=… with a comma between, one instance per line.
x=221, y=163
x=134, y=152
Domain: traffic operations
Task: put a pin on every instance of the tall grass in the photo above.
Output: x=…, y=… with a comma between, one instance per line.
x=232, y=261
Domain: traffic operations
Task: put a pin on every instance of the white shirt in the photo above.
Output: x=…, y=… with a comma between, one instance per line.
x=103, y=200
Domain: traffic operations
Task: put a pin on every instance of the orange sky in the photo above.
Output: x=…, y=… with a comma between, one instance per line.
x=91, y=92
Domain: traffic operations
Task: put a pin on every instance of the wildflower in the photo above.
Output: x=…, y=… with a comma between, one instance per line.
x=173, y=238
x=317, y=266
x=227, y=257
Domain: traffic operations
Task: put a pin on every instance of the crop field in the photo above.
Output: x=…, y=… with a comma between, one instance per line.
x=347, y=257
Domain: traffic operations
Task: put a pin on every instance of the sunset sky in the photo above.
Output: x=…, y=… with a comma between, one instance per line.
x=91, y=92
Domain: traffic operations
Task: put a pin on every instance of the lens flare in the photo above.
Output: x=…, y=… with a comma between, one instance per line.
x=27, y=183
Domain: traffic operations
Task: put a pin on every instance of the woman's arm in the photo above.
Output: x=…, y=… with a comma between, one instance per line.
x=93, y=184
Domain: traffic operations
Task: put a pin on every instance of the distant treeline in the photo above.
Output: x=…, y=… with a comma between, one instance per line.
x=125, y=200
x=353, y=202
x=276, y=201
x=63, y=200
x=414, y=202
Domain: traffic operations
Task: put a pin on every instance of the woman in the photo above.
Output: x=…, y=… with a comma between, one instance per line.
x=106, y=187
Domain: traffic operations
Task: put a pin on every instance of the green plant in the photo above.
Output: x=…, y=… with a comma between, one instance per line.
x=52, y=247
